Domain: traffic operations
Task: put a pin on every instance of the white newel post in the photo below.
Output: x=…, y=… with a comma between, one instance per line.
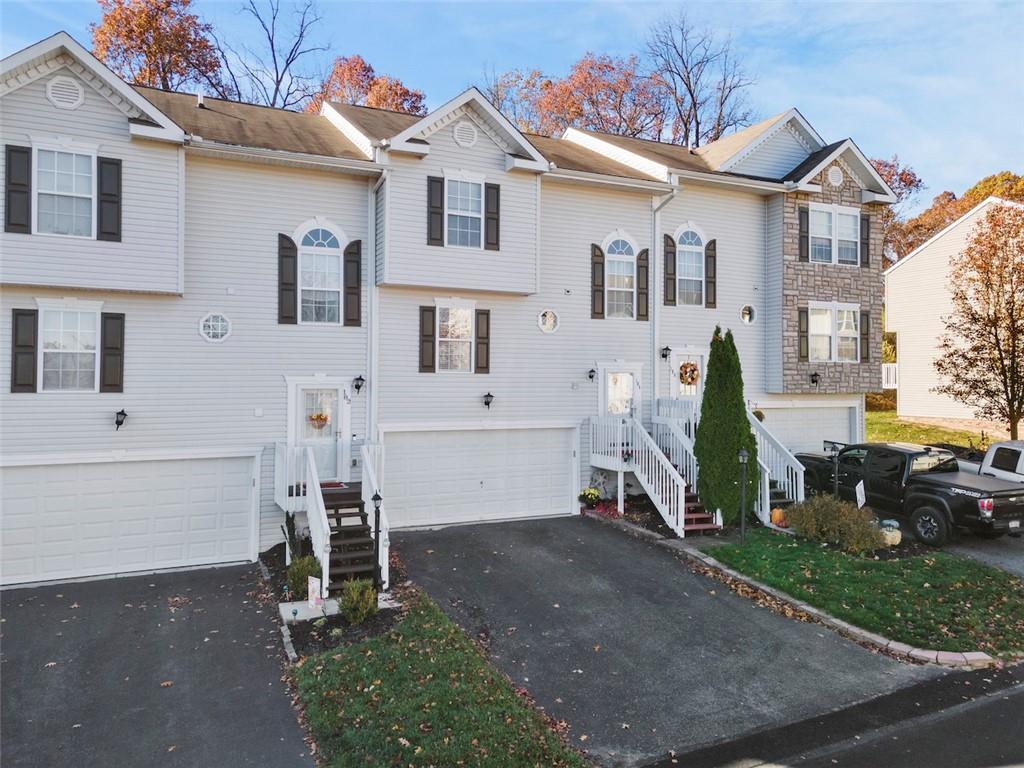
x=621, y=505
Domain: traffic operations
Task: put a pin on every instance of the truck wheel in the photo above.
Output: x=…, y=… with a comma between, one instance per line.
x=930, y=526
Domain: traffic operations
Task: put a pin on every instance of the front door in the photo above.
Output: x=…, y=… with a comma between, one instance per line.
x=687, y=380
x=620, y=390
x=319, y=423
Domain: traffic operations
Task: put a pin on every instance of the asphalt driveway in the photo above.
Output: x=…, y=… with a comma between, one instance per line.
x=176, y=669
x=636, y=652
x=1006, y=553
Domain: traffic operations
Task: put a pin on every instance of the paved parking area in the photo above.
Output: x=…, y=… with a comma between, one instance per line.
x=636, y=652
x=1006, y=553
x=174, y=669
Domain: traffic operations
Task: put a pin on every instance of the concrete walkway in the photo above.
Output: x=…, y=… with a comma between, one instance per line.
x=636, y=652
x=176, y=669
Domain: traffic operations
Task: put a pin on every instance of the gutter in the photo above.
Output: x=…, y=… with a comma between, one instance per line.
x=734, y=181
x=199, y=145
x=652, y=293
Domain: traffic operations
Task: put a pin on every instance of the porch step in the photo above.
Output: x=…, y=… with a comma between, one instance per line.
x=338, y=513
x=343, y=533
x=702, y=527
x=342, y=541
x=352, y=570
x=697, y=517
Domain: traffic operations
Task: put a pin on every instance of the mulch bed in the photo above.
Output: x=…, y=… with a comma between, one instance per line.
x=330, y=632
x=273, y=559
x=908, y=547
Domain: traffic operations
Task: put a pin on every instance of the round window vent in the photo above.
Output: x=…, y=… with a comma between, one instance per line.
x=215, y=327
x=547, y=321
x=65, y=92
x=835, y=176
x=465, y=133
x=747, y=314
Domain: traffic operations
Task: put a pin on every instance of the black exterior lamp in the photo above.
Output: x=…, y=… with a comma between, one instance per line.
x=357, y=383
x=744, y=456
x=665, y=352
x=488, y=399
x=119, y=419
x=815, y=378
x=378, y=580
x=591, y=374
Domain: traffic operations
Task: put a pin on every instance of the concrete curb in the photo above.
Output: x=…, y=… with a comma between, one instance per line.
x=289, y=649
x=902, y=651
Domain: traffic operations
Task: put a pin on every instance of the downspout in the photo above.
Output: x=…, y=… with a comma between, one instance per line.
x=654, y=296
x=373, y=324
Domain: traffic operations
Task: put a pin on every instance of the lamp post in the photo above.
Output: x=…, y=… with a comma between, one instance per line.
x=834, y=450
x=743, y=456
x=376, y=499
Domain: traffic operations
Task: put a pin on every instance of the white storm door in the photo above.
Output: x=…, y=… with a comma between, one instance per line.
x=620, y=390
x=688, y=368
x=321, y=423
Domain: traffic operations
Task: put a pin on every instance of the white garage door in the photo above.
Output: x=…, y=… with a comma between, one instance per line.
x=463, y=476
x=804, y=429
x=71, y=520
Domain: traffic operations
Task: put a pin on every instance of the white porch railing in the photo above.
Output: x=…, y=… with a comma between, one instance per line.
x=675, y=443
x=621, y=443
x=781, y=465
x=316, y=518
x=373, y=466
x=763, y=502
x=685, y=412
x=890, y=375
x=289, y=477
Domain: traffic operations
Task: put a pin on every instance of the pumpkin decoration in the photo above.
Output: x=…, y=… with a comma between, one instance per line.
x=689, y=374
x=778, y=517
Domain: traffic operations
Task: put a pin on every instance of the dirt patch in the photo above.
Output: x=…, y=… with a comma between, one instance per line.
x=329, y=632
x=273, y=559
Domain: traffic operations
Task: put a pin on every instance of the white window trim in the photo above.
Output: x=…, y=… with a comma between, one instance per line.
x=320, y=222
x=619, y=234
x=454, y=303
x=460, y=174
x=68, y=305
x=689, y=226
x=833, y=307
x=835, y=210
x=223, y=338
x=63, y=144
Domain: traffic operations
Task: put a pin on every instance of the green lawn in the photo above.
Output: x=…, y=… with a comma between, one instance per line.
x=422, y=695
x=937, y=601
x=884, y=427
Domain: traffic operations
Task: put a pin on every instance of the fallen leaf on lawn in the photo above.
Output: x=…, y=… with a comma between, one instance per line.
x=171, y=748
x=403, y=741
x=166, y=683
x=50, y=664
x=430, y=551
x=583, y=737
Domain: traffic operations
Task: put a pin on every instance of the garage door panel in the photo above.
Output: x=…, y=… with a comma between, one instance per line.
x=804, y=429
x=68, y=521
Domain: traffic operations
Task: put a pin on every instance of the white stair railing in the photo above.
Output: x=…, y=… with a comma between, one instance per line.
x=782, y=466
x=289, y=477
x=674, y=442
x=763, y=503
x=373, y=465
x=316, y=518
x=685, y=412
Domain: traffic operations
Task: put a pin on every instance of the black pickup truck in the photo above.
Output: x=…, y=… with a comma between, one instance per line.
x=923, y=484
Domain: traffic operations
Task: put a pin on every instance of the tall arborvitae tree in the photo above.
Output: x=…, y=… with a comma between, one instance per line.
x=722, y=431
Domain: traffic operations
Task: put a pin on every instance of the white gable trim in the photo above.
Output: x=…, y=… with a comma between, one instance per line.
x=363, y=142
x=655, y=170
x=91, y=69
x=887, y=196
x=950, y=227
x=442, y=115
x=783, y=123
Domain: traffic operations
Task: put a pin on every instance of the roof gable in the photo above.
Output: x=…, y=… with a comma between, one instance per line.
x=61, y=50
x=875, y=188
x=748, y=142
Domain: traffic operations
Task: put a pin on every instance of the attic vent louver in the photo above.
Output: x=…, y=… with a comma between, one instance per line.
x=65, y=92
x=465, y=134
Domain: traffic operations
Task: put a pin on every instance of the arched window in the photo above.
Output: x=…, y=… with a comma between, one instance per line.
x=620, y=279
x=320, y=276
x=690, y=267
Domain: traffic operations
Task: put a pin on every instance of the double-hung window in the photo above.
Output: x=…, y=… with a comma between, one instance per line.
x=65, y=192
x=320, y=276
x=620, y=271
x=70, y=349
x=455, y=338
x=464, y=203
x=833, y=332
x=690, y=268
x=834, y=234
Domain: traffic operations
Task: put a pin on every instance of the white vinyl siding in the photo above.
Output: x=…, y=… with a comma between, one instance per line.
x=776, y=157
x=148, y=257
x=771, y=318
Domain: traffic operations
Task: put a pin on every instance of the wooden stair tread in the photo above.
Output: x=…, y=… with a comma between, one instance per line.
x=702, y=527
x=345, y=512
x=341, y=541
x=344, y=570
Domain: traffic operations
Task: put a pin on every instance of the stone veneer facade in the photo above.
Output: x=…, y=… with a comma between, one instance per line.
x=807, y=281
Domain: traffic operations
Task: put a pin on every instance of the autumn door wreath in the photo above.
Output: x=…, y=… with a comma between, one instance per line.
x=319, y=420
x=689, y=374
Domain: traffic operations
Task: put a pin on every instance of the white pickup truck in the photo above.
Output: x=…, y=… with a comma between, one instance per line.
x=1002, y=460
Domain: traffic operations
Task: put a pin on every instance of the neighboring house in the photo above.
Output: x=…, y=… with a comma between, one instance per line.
x=440, y=309
x=917, y=297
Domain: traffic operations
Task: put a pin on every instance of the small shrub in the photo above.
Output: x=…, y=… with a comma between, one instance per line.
x=298, y=574
x=830, y=520
x=358, y=600
x=880, y=401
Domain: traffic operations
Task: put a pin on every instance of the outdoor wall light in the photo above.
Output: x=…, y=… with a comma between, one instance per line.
x=591, y=374
x=119, y=418
x=357, y=383
x=488, y=399
x=743, y=456
x=815, y=378
x=665, y=352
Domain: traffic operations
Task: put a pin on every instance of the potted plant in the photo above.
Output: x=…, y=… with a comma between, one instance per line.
x=589, y=497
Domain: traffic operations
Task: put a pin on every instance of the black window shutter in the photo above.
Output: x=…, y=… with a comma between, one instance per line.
x=802, y=330
x=353, y=282
x=596, y=282
x=711, y=274
x=18, y=197
x=435, y=210
x=24, y=348
x=428, y=339
x=492, y=217
x=670, y=271
x=108, y=220
x=111, y=352
x=865, y=337
x=643, y=280
x=865, y=241
x=287, y=281
x=804, y=215
x=483, y=341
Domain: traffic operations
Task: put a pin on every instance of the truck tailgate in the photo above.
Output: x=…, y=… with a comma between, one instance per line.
x=1008, y=504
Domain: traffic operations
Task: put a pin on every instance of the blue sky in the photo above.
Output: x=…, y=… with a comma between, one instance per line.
x=940, y=84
